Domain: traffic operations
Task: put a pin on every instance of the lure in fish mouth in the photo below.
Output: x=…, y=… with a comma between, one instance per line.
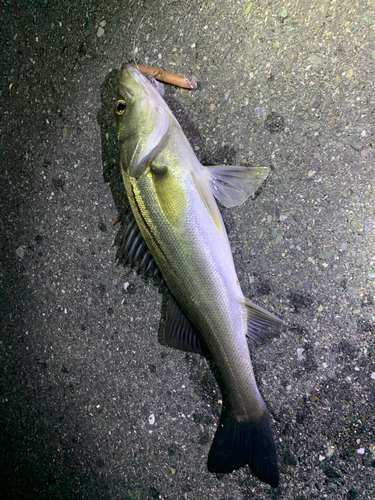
x=176, y=231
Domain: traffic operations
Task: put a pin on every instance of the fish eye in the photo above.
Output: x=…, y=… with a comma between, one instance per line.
x=120, y=108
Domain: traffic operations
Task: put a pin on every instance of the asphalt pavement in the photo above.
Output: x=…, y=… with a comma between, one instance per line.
x=92, y=406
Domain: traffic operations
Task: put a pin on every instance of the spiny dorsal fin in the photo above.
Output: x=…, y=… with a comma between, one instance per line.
x=132, y=249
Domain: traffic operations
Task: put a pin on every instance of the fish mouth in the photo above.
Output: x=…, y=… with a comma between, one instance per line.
x=126, y=82
x=132, y=84
x=128, y=70
x=130, y=79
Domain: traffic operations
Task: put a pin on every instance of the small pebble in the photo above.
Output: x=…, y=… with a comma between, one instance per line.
x=355, y=143
x=300, y=355
x=259, y=111
x=368, y=226
x=20, y=252
x=330, y=451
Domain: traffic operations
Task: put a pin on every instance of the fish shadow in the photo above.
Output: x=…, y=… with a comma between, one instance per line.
x=110, y=147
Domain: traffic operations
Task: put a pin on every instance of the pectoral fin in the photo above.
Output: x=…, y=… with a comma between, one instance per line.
x=171, y=196
x=232, y=185
x=261, y=323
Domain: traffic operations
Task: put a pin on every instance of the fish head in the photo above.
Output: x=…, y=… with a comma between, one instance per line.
x=144, y=119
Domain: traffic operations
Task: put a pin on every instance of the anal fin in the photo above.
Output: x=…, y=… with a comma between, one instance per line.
x=260, y=322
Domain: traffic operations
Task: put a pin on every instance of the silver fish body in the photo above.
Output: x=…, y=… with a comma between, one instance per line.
x=172, y=197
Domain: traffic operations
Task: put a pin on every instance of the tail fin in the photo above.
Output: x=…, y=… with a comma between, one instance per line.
x=239, y=443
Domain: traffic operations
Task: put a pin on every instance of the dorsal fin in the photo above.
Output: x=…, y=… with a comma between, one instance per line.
x=132, y=249
x=177, y=331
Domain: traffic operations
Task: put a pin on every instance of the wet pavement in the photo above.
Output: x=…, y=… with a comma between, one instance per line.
x=92, y=406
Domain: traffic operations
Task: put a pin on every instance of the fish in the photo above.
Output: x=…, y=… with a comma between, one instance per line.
x=176, y=231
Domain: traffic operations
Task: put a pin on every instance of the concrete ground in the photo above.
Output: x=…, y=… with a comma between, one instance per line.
x=92, y=406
